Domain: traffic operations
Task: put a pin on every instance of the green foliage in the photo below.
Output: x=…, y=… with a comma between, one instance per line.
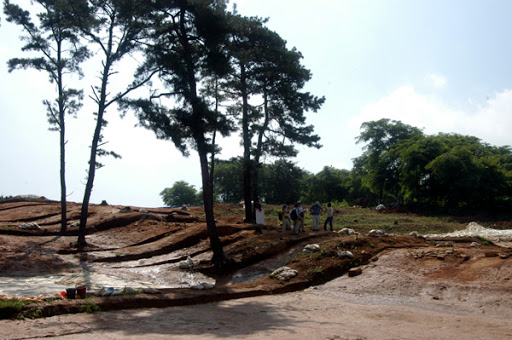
x=484, y=241
x=443, y=171
x=11, y=309
x=181, y=193
x=281, y=182
x=89, y=307
x=312, y=272
x=228, y=179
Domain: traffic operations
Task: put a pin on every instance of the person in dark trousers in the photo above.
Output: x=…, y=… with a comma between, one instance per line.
x=315, y=212
x=330, y=215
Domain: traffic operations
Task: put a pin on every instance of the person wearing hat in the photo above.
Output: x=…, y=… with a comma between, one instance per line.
x=315, y=211
x=300, y=210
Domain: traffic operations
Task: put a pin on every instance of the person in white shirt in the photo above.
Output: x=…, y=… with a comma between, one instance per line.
x=330, y=215
x=300, y=210
x=285, y=212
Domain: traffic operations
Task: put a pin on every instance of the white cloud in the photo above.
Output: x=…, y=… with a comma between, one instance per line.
x=436, y=80
x=491, y=122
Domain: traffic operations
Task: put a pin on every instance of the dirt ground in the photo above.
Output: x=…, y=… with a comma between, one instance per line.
x=410, y=287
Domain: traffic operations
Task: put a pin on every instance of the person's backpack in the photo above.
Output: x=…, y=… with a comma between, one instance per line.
x=280, y=216
x=293, y=215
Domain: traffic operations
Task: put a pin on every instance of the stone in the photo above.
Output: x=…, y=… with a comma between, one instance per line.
x=311, y=248
x=29, y=226
x=380, y=207
x=346, y=231
x=475, y=244
x=187, y=264
x=377, y=233
x=444, y=244
x=345, y=254
x=284, y=273
x=355, y=271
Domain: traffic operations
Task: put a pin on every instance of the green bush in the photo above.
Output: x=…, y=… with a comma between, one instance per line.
x=11, y=309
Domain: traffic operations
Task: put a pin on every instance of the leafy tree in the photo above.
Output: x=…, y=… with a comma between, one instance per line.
x=328, y=185
x=228, y=179
x=468, y=174
x=379, y=163
x=282, y=182
x=263, y=68
x=181, y=193
x=187, y=42
x=115, y=28
x=417, y=182
x=59, y=54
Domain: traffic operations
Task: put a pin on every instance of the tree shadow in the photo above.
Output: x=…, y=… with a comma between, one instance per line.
x=220, y=319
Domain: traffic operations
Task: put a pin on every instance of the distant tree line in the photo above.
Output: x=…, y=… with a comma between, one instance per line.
x=400, y=166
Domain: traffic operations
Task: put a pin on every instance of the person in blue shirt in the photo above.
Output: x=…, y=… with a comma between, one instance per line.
x=315, y=211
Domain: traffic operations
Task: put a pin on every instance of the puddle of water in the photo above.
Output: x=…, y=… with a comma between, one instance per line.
x=155, y=278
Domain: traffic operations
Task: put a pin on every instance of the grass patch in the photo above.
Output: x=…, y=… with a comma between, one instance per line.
x=12, y=309
x=484, y=241
x=312, y=272
x=89, y=307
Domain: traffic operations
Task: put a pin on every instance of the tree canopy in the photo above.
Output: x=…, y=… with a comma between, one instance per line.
x=181, y=193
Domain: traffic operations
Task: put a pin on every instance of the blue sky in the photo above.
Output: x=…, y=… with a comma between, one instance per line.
x=444, y=66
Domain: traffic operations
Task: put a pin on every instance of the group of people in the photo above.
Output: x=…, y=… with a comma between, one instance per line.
x=293, y=218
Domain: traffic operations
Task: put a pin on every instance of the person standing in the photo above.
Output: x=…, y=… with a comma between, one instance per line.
x=294, y=215
x=315, y=211
x=285, y=213
x=330, y=215
x=259, y=212
x=300, y=210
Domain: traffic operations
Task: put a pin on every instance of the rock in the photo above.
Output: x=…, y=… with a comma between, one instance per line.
x=125, y=210
x=104, y=203
x=131, y=291
x=380, y=207
x=202, y=285
x=345, y=254
x=29, y=226
x=475, y=244
x=377, y=233
x=284, y=273
x=142, y=210
x=148, y=290
x=184, y=207
x=346, y=231
x=413, y=234
x=187, y=264
x=355, y=271
x=311, y=248
x=444, y=244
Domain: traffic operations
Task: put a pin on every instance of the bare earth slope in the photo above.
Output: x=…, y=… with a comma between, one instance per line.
x=410, y=288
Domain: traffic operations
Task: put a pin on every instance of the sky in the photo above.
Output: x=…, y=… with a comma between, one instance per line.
x=441, y=66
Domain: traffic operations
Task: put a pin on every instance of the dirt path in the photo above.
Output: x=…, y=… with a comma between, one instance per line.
x=383, y=303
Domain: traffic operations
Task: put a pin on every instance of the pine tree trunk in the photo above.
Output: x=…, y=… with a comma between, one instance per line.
x=249, y=216
x=218, y=259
